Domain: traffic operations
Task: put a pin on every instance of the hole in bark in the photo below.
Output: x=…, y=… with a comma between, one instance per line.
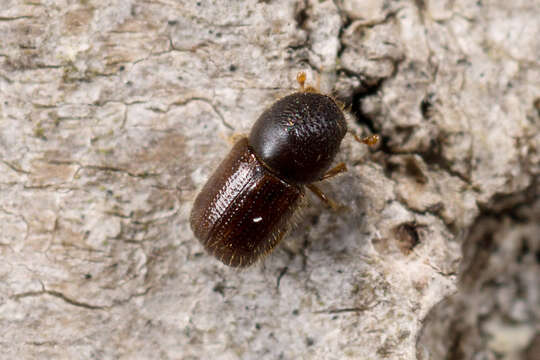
x=407, y=237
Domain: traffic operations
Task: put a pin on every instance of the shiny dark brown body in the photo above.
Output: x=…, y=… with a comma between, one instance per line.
x=245, y=208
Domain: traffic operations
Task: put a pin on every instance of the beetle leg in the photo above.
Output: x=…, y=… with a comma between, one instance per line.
x=318, y=192
x=336, y=170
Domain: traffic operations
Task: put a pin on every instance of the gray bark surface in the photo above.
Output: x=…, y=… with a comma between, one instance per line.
x=114, y=113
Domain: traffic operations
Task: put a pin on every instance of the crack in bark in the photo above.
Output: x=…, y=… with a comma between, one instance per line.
x=75, y=302
x=15, y=168
x=142, y=175
x=15, y=18
x=187, y=101
x=346, y=310
x=42, y=343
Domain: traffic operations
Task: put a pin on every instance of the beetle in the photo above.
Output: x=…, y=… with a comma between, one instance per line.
x=245, y=207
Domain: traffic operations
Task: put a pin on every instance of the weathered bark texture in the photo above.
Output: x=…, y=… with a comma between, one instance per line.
x=114, y=113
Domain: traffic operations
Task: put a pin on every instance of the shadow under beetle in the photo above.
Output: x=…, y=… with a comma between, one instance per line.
x=245, y=208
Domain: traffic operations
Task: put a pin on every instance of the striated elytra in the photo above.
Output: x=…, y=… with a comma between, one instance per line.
x=246, y=206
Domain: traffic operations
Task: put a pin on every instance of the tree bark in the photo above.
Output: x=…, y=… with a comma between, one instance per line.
x=114, y=113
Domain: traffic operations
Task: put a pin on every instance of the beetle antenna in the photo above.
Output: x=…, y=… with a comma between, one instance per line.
x=301, y=79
